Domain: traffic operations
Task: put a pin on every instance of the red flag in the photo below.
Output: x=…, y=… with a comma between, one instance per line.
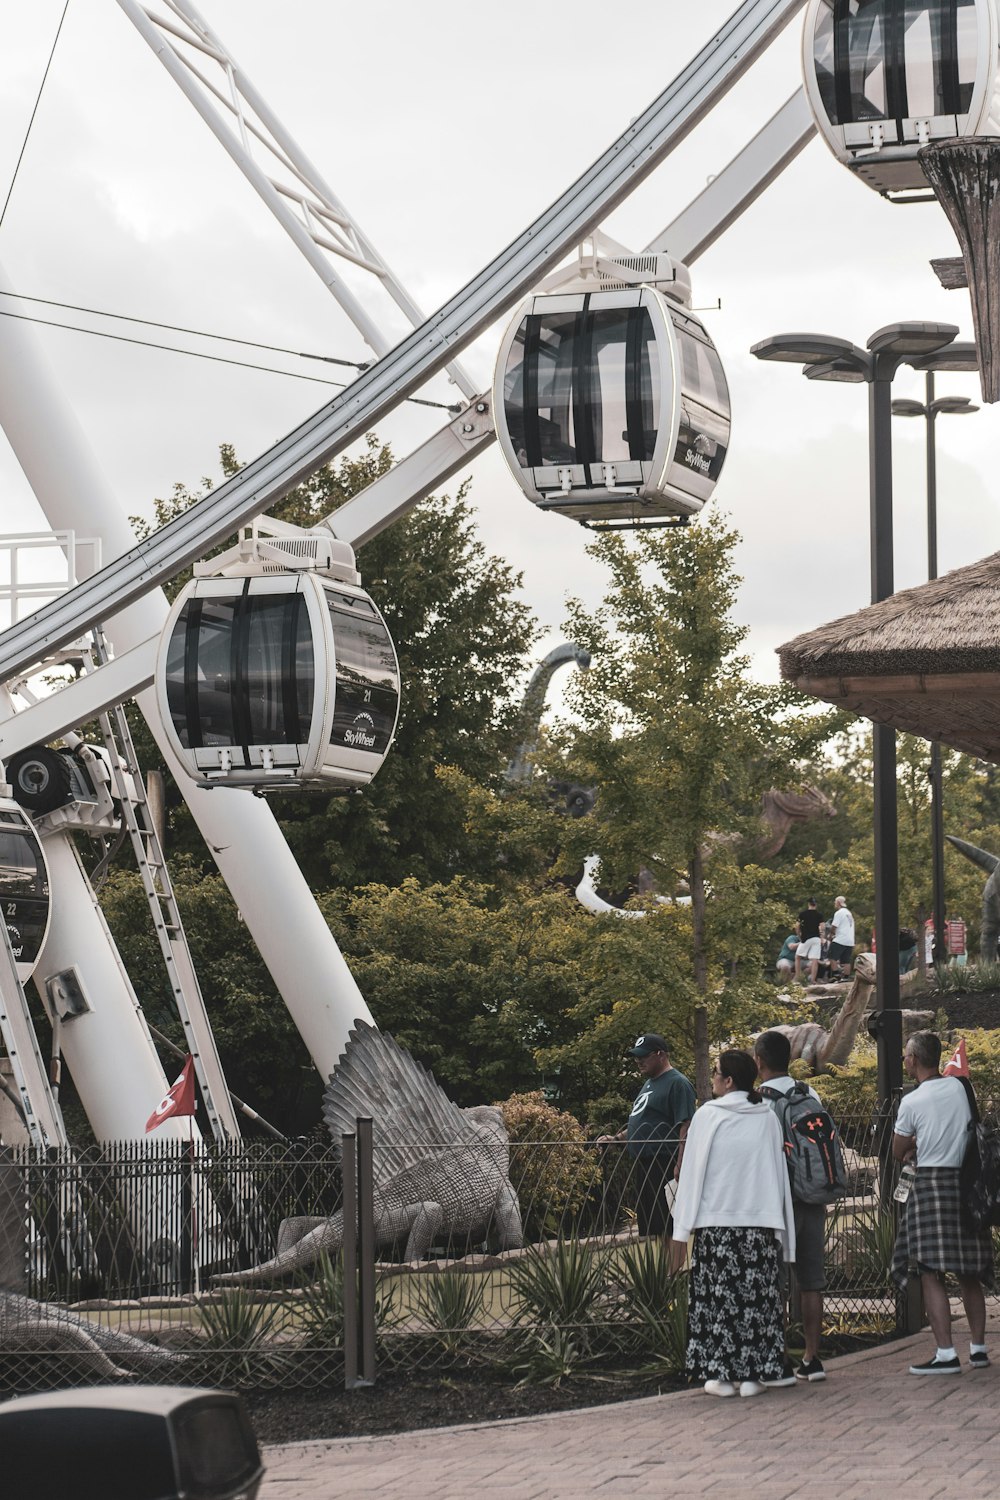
x=179, y=1101
x=957, y=1065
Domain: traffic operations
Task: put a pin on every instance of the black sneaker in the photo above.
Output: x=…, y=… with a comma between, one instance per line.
x=787, y=1376
x=811, y=1369
x=980, y=1360
x=937, y=1366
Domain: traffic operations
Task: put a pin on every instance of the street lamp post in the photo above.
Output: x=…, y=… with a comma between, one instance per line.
x=930, y=410
x=827, y=358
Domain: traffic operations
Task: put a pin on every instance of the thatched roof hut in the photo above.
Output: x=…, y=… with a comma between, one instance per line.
x=926, y=660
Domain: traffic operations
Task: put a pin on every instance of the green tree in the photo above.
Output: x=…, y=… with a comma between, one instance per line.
x=837, y=856
x=681, y=743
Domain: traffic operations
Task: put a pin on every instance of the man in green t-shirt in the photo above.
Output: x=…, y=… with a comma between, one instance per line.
x=663, y=1108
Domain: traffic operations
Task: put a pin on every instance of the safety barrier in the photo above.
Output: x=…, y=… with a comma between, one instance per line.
x=110, y=1259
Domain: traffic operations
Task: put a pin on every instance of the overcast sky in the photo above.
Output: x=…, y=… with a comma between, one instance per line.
x=446, y=130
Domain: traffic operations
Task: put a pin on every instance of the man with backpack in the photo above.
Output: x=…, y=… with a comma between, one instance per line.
x=816, y=1169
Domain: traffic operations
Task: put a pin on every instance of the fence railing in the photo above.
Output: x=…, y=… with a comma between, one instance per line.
x=116, y=1259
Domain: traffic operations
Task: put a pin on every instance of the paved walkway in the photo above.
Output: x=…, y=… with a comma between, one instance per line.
x=869, y=1432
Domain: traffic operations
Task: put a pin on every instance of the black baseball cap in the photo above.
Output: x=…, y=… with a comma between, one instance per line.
x=647, y=1044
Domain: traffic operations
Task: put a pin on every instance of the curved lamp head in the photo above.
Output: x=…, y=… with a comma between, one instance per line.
x=963, y=358
x=909, y=340
x=807, y=349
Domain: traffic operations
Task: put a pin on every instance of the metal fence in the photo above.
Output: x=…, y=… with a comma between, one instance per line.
x=110, y=1262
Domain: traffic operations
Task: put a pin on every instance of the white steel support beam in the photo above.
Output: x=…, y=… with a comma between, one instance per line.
x=42, y=1116
x=647, y=141
x=80, y=701
x=267, y=886
x=305, y=207
x=739, y=184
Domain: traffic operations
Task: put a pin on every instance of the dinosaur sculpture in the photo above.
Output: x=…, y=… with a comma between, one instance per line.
x=823, y=1049
x=780, y=809
x=990, y=934
x=439, y=1170
x=103, y=1352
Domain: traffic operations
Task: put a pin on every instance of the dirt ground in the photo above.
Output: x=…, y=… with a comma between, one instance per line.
x=400, y=1403
x=972, y=1011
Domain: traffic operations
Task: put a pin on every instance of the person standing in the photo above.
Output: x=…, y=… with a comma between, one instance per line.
x=842, y=938
x=772, y=1054
x=810, y=940
x=734, y=1197
x=655, y=1130
x=932, y=1129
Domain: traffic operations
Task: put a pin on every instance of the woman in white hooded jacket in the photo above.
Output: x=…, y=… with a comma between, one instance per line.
x=733, y=1195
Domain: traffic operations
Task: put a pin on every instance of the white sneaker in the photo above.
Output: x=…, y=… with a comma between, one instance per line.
x=719, y=1388
x=752, y=1388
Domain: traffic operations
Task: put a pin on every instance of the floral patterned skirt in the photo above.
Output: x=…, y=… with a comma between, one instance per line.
x=735, y=1312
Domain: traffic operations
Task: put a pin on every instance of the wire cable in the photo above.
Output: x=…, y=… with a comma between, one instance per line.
x=227, y=338
x=219, y=359
x=34, y=112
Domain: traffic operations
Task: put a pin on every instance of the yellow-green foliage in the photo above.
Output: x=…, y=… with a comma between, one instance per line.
x=552, y=1168
x=850, y=1093
x=983, y=1048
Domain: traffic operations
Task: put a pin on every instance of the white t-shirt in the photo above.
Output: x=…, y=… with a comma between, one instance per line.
x=937, y=1113
x=783, y=1084
x=843, y=927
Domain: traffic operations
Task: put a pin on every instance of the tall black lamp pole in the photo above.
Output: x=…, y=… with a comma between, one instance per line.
x=826, y=358
x=930, y=410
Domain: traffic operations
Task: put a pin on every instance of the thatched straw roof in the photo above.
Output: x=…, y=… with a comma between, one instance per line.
x=927, y=660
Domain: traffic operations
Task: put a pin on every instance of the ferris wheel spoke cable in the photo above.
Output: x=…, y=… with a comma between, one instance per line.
x=218, y=359
x=38, y=100
x=267, y=479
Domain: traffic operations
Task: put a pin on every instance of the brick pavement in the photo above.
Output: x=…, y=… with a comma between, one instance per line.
x=869, y=1432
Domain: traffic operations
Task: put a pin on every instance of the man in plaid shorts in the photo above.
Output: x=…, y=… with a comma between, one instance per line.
x=932, y=1131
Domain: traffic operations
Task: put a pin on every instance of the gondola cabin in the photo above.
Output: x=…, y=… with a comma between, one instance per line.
x=24, y=886
x=611, y=406
x=886, y=77
x=281, y=680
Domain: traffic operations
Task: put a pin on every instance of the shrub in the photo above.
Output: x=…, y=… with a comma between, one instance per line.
x=449, y=1304
x=551, y=1166
x=653, y=1302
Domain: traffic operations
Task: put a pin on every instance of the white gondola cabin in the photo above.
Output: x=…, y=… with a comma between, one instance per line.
x=886, y=77
x=611, y=406
x=280, y=680
x=24, y=886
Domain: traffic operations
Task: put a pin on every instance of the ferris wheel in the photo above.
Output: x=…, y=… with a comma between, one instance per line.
x=610, y=406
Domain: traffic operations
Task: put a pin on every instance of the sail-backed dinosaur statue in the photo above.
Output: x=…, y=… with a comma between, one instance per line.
x=438, y=1170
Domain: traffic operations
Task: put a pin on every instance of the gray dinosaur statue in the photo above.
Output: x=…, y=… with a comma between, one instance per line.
x=990, y=933
x=103, y=1352
x=439, y=1170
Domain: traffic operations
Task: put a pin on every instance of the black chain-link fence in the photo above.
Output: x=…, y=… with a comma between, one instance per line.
x=110, y=1262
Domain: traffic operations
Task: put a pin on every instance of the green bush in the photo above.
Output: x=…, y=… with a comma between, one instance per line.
x=552, y=1168
x=652, y=1303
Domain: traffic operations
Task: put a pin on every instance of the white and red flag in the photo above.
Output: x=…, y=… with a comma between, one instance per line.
x=179, y=1101
x=957, y=1065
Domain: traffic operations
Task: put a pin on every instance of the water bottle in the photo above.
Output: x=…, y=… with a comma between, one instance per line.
x=907, y=1177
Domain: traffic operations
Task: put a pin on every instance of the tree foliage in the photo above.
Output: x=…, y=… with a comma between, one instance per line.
x=681, y=742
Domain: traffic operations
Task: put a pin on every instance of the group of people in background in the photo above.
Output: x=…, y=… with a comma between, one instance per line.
x=734, y=1213
x=817, y=948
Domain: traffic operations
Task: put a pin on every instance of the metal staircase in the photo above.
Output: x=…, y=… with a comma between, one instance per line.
x=166, y=916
